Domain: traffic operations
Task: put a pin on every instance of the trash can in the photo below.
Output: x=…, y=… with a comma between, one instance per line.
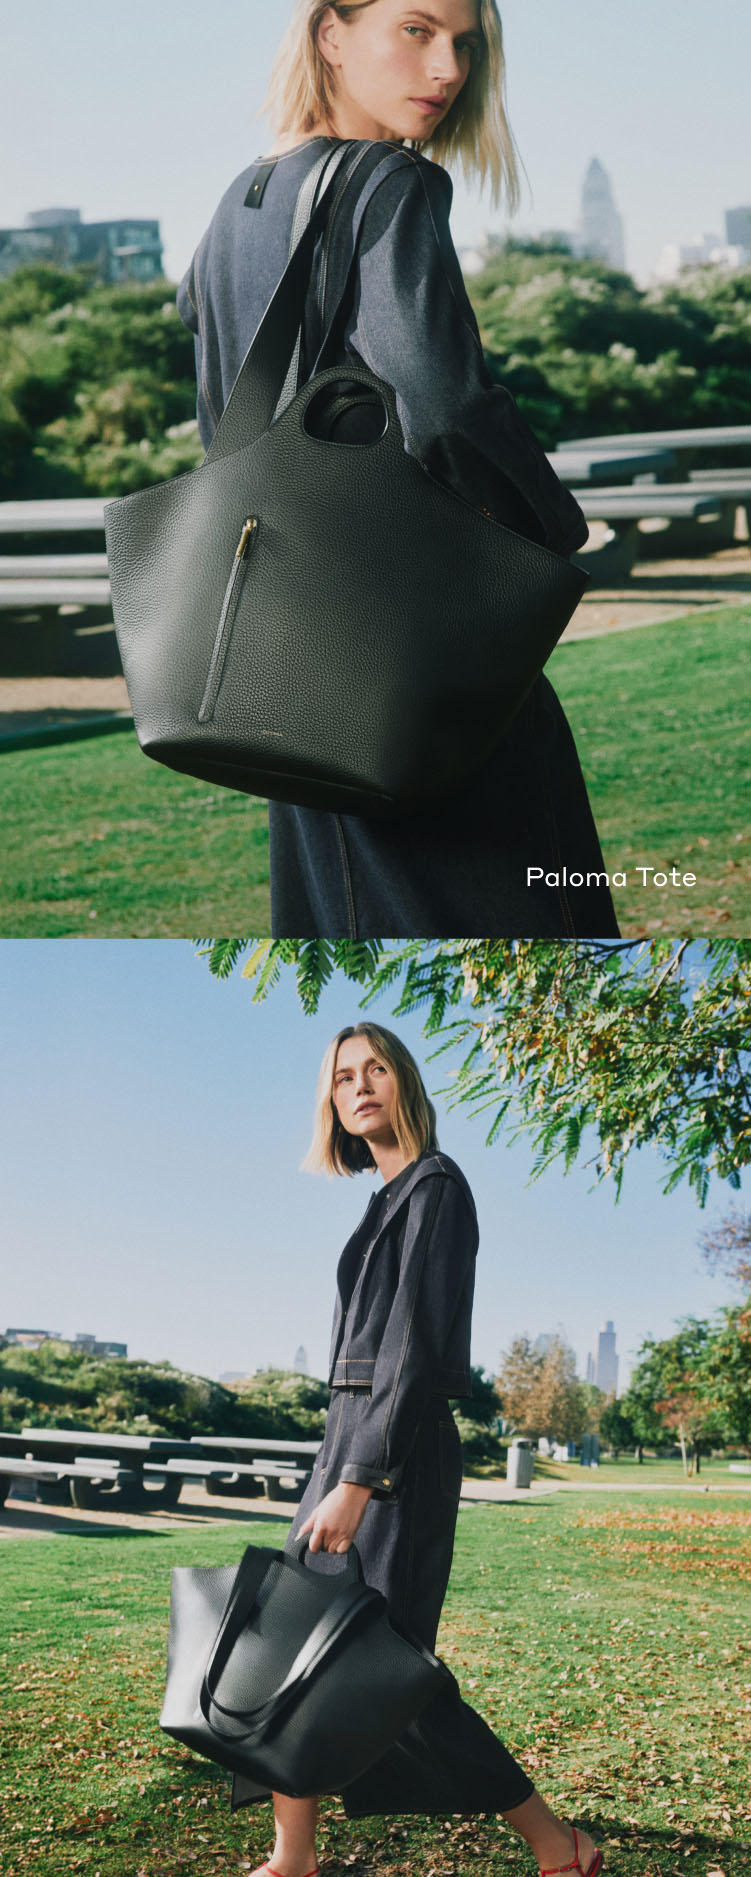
x=520, y=1463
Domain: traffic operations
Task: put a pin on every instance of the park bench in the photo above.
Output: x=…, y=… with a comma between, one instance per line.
x=625, y=509
x=731, y=486
x=65, y=597
x=263, y=1459
x=96, y=1471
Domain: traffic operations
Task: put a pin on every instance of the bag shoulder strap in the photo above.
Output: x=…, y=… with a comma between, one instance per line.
x=255, y=394
x=261, y=379
x=306, y=200
x=369, y=170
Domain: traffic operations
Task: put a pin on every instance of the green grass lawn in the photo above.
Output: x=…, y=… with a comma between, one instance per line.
x=627, y=1472
x=661, y=717
x=99, y=842
x=606, y=1638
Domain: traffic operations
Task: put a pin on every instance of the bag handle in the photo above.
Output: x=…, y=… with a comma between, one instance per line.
x=342, y=1612
x=303, y=211
x=256, y=392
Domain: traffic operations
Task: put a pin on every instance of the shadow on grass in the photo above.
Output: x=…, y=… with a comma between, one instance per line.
x=44, y=1522
x=393, y=1845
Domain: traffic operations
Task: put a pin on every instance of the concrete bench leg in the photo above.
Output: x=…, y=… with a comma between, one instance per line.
x=156, y=1495
x=689, y=540
x=281, y=1489
x=95, y=1495
x=41, y=644
x=233, y=1488
x=5, y=1486
x=612, y=563
x=52, y=1492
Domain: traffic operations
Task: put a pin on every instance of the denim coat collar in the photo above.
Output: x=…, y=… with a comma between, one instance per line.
x=352, y=1263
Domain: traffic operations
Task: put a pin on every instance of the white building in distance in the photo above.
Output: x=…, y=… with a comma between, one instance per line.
x=710, y=250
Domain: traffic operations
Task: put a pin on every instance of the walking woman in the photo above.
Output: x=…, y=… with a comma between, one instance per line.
x=389, y=1470
x=423, y=84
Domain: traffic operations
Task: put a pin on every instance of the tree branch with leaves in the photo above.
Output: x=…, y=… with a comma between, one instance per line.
x=613, y=1045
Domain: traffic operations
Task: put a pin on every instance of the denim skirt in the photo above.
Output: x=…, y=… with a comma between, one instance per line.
x=449, y=1759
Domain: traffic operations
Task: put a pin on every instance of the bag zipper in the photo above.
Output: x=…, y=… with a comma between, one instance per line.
x=226, y=620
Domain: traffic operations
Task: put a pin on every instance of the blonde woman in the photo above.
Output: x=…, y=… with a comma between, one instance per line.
x=426, y=84
x=389, y=1470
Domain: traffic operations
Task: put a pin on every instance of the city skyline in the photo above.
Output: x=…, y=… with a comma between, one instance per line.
x=593, y=92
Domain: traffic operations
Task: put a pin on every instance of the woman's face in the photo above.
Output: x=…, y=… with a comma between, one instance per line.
x=363, y=1091
x=397, y=68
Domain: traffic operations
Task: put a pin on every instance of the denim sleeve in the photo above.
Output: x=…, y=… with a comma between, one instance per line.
x=415, y=327
x=186, y=301
x=438, y=1251
x=190, y=309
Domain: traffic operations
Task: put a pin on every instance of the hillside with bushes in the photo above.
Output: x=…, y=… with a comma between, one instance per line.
x=97, y=388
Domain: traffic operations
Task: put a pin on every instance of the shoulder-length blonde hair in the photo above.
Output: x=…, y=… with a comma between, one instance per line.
x=476, y=131
x=332, y=1149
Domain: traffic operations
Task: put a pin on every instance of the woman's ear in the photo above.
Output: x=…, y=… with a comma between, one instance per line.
x=327, y=37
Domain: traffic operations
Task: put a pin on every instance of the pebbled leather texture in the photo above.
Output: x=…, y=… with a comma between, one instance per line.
x=385, y=631
x=346, y=1712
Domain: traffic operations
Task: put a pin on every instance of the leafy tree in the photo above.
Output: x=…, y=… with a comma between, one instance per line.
x=539, y=1390
x=586, y=351
x=675, y=1385
x=578, y=343
x=641, y=1042
x=56, y=1386
x=727, y=1375
x=482, y=1405
x=727, y=1247
x=97, y=385
x=617, y=1428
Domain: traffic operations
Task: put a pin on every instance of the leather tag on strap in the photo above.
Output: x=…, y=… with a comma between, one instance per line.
x=254, y=196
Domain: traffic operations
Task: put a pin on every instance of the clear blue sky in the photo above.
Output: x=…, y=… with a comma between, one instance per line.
x=150, y=110
x=153, y=1122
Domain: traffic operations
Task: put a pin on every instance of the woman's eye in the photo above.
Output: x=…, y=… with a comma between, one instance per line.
x=415, y=29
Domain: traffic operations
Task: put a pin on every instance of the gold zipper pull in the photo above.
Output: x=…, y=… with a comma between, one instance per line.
x=249, y=529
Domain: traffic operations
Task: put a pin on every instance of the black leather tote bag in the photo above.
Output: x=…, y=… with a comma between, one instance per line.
x=319, y=620
x=291, y=1676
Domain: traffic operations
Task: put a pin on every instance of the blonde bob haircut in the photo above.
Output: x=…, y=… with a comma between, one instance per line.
x=332, y=1149
x=301, y=97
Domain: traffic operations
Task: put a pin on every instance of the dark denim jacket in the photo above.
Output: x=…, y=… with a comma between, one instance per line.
x=403, y=1314
x=410, y=321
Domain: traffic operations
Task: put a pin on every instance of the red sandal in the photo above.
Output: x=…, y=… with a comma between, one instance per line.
x=576, y=1864
x=276, y=1873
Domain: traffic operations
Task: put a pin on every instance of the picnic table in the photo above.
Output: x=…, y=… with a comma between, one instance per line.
x=686, y=446
x=576, y=463
x=624, y=510
x=97, y=1471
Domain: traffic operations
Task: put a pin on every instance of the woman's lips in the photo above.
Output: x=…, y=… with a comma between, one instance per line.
x=369, y=1107
x=429, y=104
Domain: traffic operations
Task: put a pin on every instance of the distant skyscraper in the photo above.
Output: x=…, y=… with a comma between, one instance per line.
x=600, y=230
x=301, y=1361
x=602, y=1365
x=738, y=228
